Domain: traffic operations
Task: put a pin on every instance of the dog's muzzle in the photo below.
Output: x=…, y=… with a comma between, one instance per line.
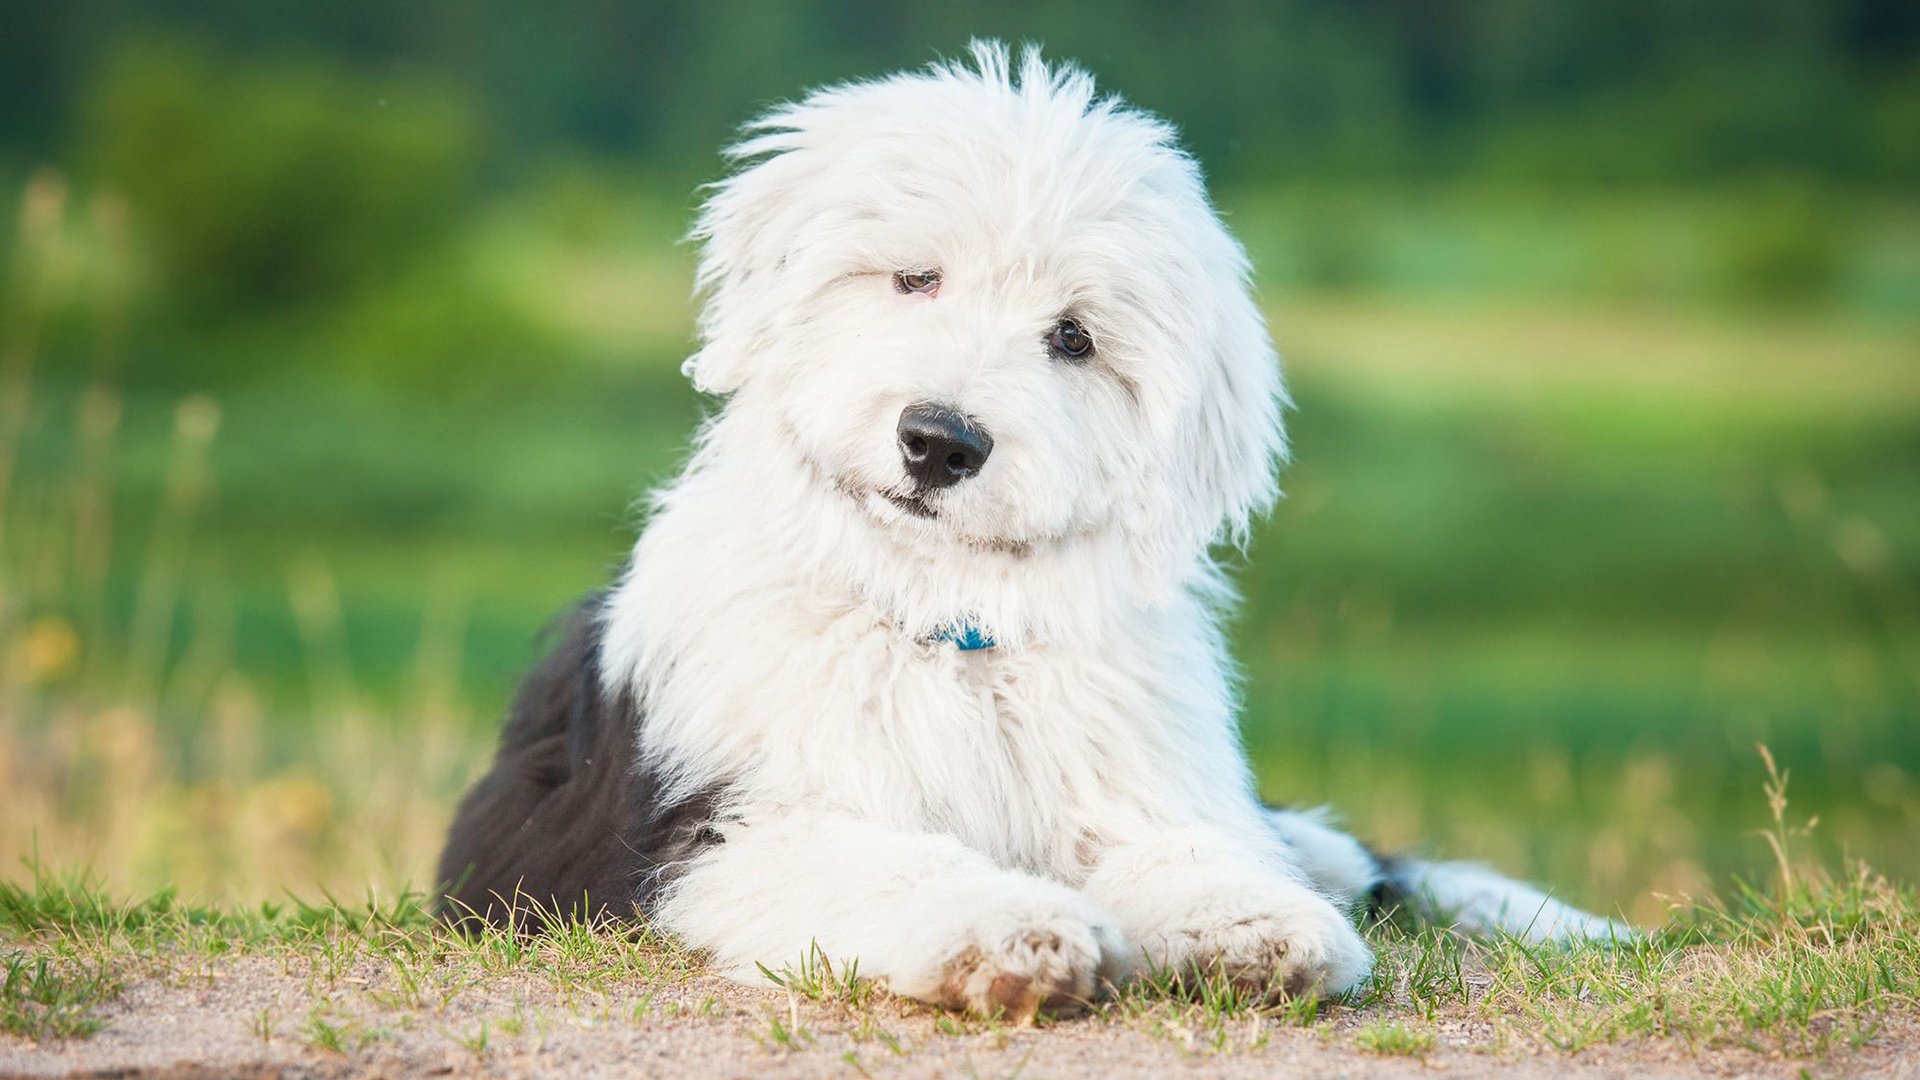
x=940, y=447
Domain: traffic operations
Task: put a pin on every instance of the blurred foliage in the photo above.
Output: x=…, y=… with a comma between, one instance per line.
x=356, y=187
x=1641, y=90
x=270, y=184
x=1782, y=243
x=268, y=189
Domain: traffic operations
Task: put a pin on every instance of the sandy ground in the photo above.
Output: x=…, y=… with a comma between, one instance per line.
x=256, y=1018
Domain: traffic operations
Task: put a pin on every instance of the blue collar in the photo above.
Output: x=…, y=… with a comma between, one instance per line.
x=965, y=634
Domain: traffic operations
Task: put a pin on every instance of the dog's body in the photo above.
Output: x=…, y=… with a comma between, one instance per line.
x=918, y=661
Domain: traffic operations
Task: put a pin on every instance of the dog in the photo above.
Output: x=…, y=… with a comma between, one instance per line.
x=918, y=661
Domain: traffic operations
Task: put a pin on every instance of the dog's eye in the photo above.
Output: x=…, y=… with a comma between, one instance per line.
x=1070, y=341
x=917, y=281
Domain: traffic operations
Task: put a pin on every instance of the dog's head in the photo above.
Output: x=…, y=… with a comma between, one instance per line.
x=993, y=310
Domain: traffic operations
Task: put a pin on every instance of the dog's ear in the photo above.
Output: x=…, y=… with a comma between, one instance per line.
x=1221, y=446
x=746, y=231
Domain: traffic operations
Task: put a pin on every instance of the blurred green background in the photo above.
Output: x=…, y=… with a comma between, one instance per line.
x=1602, y=320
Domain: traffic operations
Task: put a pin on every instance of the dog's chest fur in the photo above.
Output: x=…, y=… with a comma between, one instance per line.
x=1030, y=756
x=986, y=750
x=1019, y=756
x=764, y=673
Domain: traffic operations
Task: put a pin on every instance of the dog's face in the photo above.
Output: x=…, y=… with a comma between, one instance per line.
x=992, y=311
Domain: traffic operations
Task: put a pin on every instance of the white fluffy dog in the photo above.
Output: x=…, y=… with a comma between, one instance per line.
x=919, y=659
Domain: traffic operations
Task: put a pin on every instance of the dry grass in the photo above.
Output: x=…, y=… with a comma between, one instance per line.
x=130, y=742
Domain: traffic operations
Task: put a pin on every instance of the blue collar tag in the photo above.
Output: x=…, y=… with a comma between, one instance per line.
x=967, y=636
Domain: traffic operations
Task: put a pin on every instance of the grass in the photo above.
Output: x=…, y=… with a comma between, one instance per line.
x=1393, y=1038
x=41, y=998
x=1806, y=967
x=1809, y=966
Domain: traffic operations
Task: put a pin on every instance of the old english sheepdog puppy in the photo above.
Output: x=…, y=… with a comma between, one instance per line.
x=919, y=659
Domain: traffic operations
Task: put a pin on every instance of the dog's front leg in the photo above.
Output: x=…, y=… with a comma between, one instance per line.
x=937, y=920
x=1198, y=900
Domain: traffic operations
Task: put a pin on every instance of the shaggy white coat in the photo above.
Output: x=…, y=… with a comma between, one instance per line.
x=1001, y=828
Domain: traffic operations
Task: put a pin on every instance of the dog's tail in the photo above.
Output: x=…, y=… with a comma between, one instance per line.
x=1467, y=896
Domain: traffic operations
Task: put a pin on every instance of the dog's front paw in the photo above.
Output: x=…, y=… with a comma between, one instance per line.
x=1018, y=962
x=1273, y=935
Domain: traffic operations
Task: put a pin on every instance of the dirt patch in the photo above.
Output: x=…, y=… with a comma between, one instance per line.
x=261, y=1017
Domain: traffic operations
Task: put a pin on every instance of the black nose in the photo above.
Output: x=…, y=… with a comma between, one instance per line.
x=941, y=448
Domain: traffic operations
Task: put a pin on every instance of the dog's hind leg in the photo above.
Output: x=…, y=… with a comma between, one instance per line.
x=1464, y=895
x=1482, y=901
x=565, y=825
x=1340, y=867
